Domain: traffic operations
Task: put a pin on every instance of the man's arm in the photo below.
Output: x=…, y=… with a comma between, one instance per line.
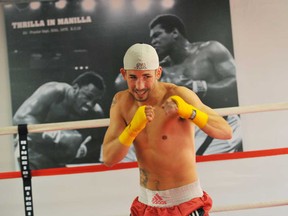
x=191, y=107
x=119, y=136
x=35, y=108
x=113, y=150
x=223, y=91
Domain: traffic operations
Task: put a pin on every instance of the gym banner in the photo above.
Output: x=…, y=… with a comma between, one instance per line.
x=56, y=47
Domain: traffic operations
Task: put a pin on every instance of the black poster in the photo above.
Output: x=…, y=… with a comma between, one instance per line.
x=51, y=43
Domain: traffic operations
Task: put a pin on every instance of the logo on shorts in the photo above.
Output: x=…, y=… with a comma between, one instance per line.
x=157, y=199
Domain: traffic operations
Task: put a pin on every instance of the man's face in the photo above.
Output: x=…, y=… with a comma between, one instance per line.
x=87, y=97
x=161, y=40
x=141, y=82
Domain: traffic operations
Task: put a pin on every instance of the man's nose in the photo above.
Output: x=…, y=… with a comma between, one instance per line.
x=139, y=84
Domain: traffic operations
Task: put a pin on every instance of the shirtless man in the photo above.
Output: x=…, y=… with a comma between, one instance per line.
x=160, y=118
x=207, y=68
x=57, y=102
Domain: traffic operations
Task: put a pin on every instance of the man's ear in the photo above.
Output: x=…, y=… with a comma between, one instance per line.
x=123, y=72
x=158, y=72
x=175, y=33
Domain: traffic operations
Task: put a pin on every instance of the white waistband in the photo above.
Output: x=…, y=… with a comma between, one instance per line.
x=171, y=197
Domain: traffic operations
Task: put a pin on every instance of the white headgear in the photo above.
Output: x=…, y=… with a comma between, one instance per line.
x=141, y=57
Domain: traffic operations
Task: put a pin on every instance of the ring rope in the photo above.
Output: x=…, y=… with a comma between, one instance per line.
x=249, y=206
x=252, y=109
x=96, y=123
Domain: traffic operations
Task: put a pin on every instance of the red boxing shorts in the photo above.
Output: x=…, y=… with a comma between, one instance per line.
x=183, y=209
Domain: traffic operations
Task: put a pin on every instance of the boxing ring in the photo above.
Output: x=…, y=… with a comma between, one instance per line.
x=241, y=183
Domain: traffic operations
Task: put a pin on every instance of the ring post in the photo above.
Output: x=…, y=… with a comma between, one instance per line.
x=25, y=170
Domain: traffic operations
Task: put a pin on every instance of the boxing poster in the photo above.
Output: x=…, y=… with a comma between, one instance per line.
x=54, y=44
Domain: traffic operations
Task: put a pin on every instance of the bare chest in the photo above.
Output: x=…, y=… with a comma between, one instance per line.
x=165, y=134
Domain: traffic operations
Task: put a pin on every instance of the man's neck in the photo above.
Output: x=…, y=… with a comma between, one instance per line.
x=180, y=51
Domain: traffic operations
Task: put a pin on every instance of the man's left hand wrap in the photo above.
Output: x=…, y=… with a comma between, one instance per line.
x=188, y=111
x=137, y=124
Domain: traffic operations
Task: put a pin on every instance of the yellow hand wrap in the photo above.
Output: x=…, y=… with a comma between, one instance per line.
x=137, y=124
x=188, y=111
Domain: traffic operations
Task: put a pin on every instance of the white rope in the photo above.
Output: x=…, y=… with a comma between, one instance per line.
x=37, y=128
x=249, y=206
x=252, y=109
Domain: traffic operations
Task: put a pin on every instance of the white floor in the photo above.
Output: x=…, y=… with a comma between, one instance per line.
x=110, y=193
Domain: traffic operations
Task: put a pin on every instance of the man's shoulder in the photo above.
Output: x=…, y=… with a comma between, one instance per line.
x=210, y=48
x=122, y=93
x=52, y=90
x=206, y=44
x=170, y=88
x=122, y=97
x=55, y=86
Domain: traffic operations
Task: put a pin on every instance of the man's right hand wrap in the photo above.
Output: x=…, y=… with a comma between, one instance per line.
x=188, y=111
x=137, y=124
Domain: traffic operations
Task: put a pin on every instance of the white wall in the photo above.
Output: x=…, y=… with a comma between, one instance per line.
x=260, y=43
x=6, y=148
